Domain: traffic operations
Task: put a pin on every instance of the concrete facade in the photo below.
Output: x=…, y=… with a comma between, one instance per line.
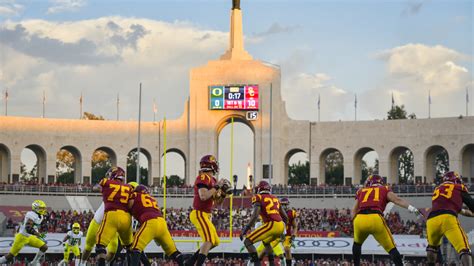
x=196, y=132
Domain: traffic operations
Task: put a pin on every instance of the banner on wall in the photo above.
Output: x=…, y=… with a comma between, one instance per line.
x=407, y=245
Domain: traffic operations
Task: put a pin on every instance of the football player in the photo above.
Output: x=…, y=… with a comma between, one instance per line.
x=28, y=234
x=206, y=190
x=117, y=219
x=447, y=202
x=72, y=243
x=277, y=248
x=145, y=209
x=273, y=216
x=291, y=229
x=371, y=201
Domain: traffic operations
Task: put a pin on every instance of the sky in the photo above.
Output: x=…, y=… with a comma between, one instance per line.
x=333, y=50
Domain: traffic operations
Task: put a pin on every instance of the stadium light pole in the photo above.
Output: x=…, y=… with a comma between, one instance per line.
x=270, y=167
x=139, y=131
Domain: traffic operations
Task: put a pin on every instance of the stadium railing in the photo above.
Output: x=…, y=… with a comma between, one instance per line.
x=301, y=191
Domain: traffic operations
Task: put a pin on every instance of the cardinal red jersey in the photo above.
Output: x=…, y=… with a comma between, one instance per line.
x=144, y=207
x=203, y=181
x=292, y=214
x=372, y=198
x=447, y=199
x=269, y=207
x=115, y=194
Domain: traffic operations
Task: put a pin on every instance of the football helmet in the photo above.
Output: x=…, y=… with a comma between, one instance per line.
x=76, y=228
x=453, y=177
x=39, y=207
x=115, y=173
x=285, y=201
x=374, y=180
x=142, y=189
x=263, y=188
x=133, y=184
x=209, y=163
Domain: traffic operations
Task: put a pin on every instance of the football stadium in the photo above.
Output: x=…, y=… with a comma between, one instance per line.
x=234, y=178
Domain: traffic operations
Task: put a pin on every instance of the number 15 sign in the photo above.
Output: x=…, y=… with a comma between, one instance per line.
x=233, y=97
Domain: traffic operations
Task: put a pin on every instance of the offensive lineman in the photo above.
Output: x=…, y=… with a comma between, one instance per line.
x=145, y=209
x=448, y=199
x=28, y=234
x=117, y=219
x=206, y=191
x=291, y=229
x=73, y=238
x=368, y=218
x=273, y=216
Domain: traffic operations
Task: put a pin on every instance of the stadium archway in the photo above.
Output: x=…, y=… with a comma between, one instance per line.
x=297, y=167
x=102, y=159
x=243, y=150
x=145, y=166
x=33, y=165
x=5, y=164
x=331, y=164
x=436, y=162
x=365, y=164
x=175, y=168
x=68, y=165
x=402, y=168
x=467, y=167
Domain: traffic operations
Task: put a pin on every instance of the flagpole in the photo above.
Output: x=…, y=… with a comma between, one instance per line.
x=467, y=101
x=80, y=107
x=319, y=107
x=139, y=129
x=355, y=107
x=429, y=103
x=6, y=102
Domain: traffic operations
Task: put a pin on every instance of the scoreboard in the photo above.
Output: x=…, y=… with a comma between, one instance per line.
x=233, y=97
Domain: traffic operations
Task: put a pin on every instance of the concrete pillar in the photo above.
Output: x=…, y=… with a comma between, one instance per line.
x=385, y=168
x=86, y=171
x=419, y=162
x=349, y=170
x=49, y=165
x=5, y=164
x=15, y=166
x=455, y=160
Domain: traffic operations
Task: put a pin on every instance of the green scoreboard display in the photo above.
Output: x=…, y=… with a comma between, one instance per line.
x=233, y=97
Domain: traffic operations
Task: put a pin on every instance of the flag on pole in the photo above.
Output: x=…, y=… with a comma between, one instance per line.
x=155, y=109
x=429, y=96
x=319, y=101
x=6, y=94
x=393, y=100
x=467, y=95
x=80, y=99
x=355, y=100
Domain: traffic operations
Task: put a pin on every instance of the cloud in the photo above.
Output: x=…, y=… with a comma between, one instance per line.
x=413, y=7
x=276, y=28
x=102, y=57
x=10, y=8
x=59, y=6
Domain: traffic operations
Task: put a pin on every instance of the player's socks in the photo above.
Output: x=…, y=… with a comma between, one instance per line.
x=254, y=259
x=192, y=260
x=3, y=259
x=144, y=259
x=101, y=262
x=356, y=252
x=37, y=257
x=396, y=257
x=271, y=260
x=201, y=259
x=135, y=258
x=178, y=258
x=288, y=262
x=77, y=262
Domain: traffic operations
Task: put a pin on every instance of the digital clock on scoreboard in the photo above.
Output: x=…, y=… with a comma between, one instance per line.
x=233, y=97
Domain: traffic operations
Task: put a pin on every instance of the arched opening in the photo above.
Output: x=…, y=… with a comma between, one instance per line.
x=366, y=162
x=5, y=164
x=436, y=162
x=33, y=165
x=402, y=168
x=145, y=166
x=243, y=151
x=467, y=163
x=68, y=165
x=331, y=164
x=297, y=167
x=175, y=168
x=102, y=159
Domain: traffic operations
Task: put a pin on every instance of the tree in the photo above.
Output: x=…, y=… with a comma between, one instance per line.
x=334, y=168
x=441, y=164
x=65, y=166
x=406, y=170
x=101, y=163
x=367, y=171
x=298, y=173
x=174, y=181
x=398, y=112
x=132, y=169
x=91, y=116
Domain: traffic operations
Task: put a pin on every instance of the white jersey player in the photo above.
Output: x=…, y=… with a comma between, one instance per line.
x=72, y=243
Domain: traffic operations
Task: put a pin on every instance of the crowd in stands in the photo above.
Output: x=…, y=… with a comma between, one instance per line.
x=178, y=219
